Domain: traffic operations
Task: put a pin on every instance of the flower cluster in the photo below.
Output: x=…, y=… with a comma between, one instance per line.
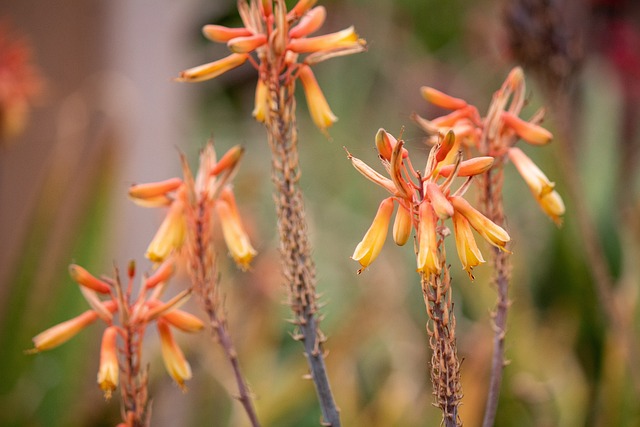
x=126, y=317
x=496, y=134
x=20, y=83
x=423, y=199
x=209, y=190
x=274, y=37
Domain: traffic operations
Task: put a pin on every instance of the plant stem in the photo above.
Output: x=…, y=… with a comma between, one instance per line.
x=299, y=269
x=492, y=206
x=204, y=278
x=445, y=366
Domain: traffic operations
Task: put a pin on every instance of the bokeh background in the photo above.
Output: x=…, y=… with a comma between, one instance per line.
x=108, y=115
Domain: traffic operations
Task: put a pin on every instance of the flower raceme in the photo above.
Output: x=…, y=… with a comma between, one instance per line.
x=275, y=37
x=185, y=197
x=424, y=202
x=134, y=318
x=496, y=134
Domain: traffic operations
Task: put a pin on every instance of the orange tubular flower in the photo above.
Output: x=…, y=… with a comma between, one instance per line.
x=213, y=69
x=174, y=360
x=338, y=40
x=63, y=332
x=275, y=37
x=246, y=44
x=170, y=235
x=109, y=368
x=371, y=245
x=86, y=279
x=536, y=179
x=428, y=261
x=319, y=109
x=466, y=246
x=441, y=99
x=309, y=23
x=235, y=237
x=221, y=34
x=491, y=232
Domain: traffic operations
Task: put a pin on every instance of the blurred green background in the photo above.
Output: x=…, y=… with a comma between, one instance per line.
x=111, y=116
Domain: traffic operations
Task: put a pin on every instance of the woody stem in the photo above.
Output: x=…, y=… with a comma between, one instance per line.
x=295, y=249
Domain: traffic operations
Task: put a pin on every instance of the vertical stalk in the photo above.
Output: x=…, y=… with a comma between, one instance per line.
x=295, y=249
x=445, y=366
x=204, y=278
x=491, y=203
x=134, y=387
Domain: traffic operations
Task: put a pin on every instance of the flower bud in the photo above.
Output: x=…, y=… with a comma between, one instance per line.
x=86, y=279
x=212, y=69
x=491, y=232
x=170, y=235
x=529, y=132
x=441, y=99
x=246, y=44
x=233, y=232
x=402, y=226
x=309, y=23
x=221, y=34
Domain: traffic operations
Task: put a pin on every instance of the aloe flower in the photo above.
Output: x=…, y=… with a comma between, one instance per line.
x=271, y=33
x=423, y=200
x=496, y=134
x=123, y=317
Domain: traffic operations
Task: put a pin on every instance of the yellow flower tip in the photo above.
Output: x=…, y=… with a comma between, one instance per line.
x=470, y=167
x=537, y=181
x=441, y=206
x=553, y=206
x=170, y=236
x=402, y=226
x=466, y=245
x=233, y=232
x=441, y=99
x=309, y=23
x=86, y=279
x=174, y=360
x=319, y=109
x=529, y=132
x=491, y=232
x=109, y=368
x=212, y=69
x=246, y=44
x=62, y=332
x=371, y=245
x=427, y=259
x=261, y=107
x=222, y=34
x=229, y=160
x=346, y=38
